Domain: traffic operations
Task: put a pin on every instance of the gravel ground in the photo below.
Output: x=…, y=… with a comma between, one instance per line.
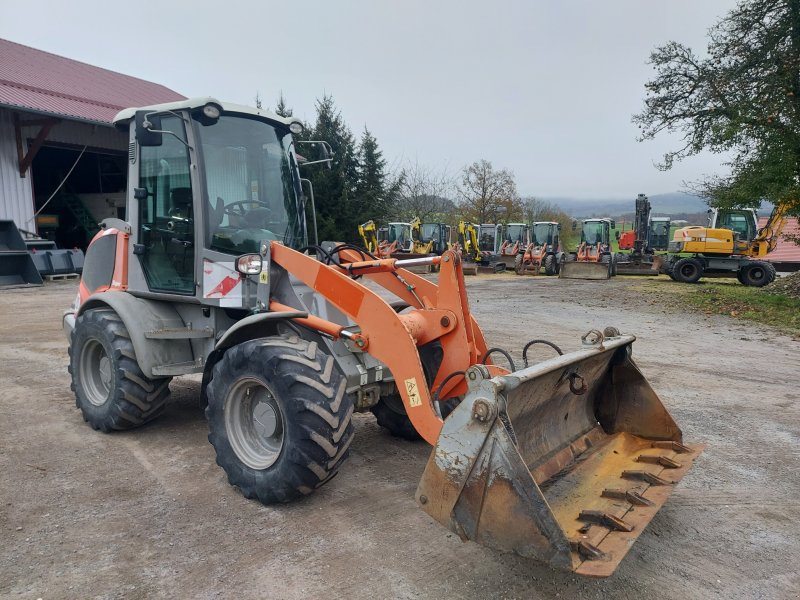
x=148, y=514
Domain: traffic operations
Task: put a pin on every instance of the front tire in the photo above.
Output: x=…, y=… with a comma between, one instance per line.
x=110, y=388
x=279, y=418
x=687, y=270
x=550, y=266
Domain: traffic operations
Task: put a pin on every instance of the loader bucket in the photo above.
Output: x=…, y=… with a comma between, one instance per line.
x=565, y=461
x=574, y=269
x=641, y=267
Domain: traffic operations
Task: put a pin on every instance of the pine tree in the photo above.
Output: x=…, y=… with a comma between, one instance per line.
x=334, y=188
x=281, y=109
x=371, y=192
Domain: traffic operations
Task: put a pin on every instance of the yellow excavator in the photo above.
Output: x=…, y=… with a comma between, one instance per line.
x=469, y=247
x=369, y=236
x=728, y=245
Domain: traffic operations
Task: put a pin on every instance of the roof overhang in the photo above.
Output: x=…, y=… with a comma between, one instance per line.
x=58, y=115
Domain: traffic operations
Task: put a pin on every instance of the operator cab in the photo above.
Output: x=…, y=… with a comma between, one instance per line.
x=210, y=181
x=742, y=222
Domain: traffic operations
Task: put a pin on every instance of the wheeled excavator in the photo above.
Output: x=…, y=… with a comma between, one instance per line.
x=594, y=258
x=564, y=461
x=369, y=236
x=729, y=246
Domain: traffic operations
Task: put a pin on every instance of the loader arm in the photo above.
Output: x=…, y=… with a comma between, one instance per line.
x=440, y=313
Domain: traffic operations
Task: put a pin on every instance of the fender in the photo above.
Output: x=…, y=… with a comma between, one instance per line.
x=141, y=316
x=254, y=326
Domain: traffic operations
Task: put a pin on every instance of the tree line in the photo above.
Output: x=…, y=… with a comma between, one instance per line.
x=360, y=185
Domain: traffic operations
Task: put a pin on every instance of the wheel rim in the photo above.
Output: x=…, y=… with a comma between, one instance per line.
x=757, y=274
x=96, y=372
x=688, y=271
x=254, y=423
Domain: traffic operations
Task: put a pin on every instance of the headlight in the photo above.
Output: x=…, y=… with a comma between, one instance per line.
x=249, y=264
x=296, y=127
x=211, y=111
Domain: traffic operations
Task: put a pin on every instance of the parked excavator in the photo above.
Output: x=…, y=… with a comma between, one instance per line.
x=369, y=236
x=641, y=260
x=594, y=258
x=469, y=248
x=544, y=250
x=564, y=461
x=730, y=245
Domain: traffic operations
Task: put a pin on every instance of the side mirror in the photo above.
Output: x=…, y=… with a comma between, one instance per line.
x=574, y=226
x=616, y=235
x=326, y=156
x=613, y=224
x=144, y=129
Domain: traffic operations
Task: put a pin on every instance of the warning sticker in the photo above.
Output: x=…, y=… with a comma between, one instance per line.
x=413, y=392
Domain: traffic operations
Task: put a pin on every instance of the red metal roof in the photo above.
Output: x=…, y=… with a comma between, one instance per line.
x=786, y=251
x=47, y=83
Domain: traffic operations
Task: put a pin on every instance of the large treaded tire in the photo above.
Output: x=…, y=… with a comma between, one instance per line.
x=315, y=412
x=756, y=273
x=110, y=389
x=391, y=415
x=550, y=266
x=687, y=270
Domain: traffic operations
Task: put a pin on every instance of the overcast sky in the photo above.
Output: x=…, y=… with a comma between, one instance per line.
x=544, y=88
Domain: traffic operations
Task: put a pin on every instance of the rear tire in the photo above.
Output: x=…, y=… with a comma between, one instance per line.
x=110, y=388
x=550, y=266
x=756, y=274
x=391, y=415
x=687, y=270
x=279, y=418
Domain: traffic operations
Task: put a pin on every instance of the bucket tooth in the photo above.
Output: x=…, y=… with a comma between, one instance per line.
x=647, y=477
x=630, y=496
x=664, y=461
x=586, y=550
x=605, y=519
x=674, y=446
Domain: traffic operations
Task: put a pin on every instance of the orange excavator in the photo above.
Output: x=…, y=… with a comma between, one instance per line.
x=564, y=461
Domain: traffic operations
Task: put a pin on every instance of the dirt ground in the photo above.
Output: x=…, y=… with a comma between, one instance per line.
x=148, y=514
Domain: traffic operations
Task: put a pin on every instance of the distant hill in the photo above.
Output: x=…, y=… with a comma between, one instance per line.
x=675, y=203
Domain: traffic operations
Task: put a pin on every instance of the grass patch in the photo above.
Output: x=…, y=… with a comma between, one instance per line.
x=728, y=297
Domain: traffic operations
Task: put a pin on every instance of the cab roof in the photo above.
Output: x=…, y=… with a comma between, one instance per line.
x=192, y=103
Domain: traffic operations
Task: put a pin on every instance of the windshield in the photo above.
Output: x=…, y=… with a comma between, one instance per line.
x=660, y=227
x=430, y=231
x=486, y=238
x=543, y=233
x=250, y=182
x=515, y=233
x=399, y=232
x=593, y=232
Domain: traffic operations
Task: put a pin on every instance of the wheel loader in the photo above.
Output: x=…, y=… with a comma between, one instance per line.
x=564, y=461
x=544, y=251
x=593, y=258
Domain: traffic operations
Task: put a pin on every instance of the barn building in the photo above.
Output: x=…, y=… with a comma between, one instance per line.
x=63, y=165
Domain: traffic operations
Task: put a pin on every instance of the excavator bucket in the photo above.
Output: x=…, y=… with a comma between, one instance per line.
x=565, y=461
x=575, y=269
